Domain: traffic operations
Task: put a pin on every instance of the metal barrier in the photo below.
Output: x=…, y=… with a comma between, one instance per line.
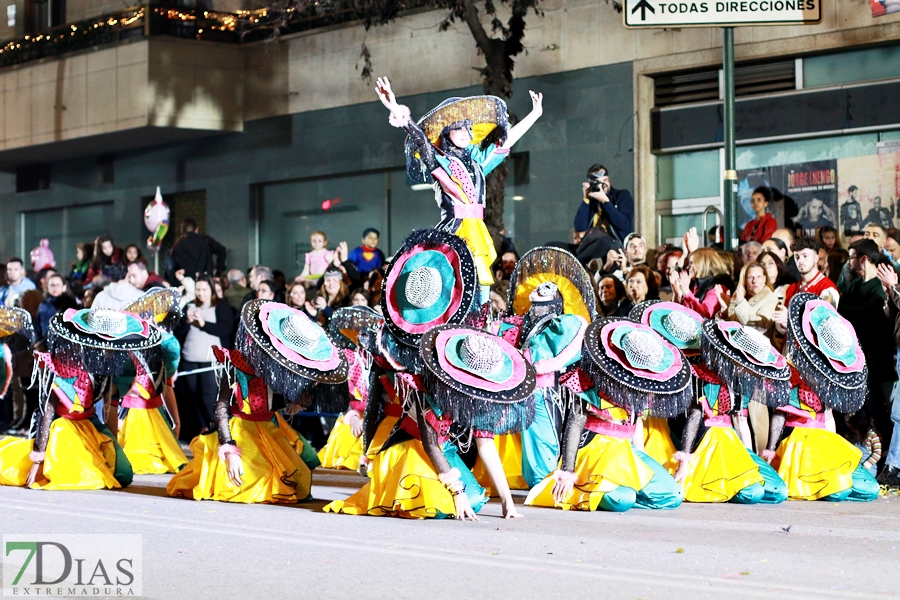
x=706, y=211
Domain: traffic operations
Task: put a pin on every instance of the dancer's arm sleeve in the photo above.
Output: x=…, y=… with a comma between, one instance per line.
x=776, y=428
x=572, y=439
x=423, y=146
x=222, y=413
x=43, y=433
x=370, y=418
x=691, y=429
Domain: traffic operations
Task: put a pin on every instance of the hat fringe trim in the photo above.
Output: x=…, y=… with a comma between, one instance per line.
x=832, y=394
x=637, y=401
x=474, y=413
x=743, y=382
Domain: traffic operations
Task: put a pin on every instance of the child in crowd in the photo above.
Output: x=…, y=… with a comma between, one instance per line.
x=828, y=237
x=367, y=257
x=861, y=433
x=319, y=259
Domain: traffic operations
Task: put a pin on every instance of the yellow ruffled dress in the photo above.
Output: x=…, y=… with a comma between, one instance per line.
x=343, y=449
x=658, y=443
x=603, y=465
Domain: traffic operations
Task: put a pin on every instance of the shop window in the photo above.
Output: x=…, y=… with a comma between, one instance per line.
x=848, y=67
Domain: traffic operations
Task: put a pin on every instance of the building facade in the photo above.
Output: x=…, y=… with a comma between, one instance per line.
x=264, y=143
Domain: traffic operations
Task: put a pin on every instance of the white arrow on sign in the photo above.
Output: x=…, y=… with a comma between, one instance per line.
x=720, y=13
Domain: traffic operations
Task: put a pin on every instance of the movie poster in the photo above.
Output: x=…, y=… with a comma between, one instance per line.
x=884, y=7
x=868, y=190
x=812, y=188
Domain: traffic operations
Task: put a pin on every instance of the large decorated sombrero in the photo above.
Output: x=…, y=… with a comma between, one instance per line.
x=678, y=324
x=825, y=350
x=16, y=329
x=635, y=367
x=288, y=350
x=348, y=323
x=746, y=362
x=484, y=114
x=431, y=281
x=477, y=379
x=100, y=339
x=542, y=266
x=159, y=306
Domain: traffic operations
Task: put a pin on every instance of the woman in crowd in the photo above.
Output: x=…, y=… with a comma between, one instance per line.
x=83, y=255
x=613, y=302
x=210, y=325
x=133, y=254
x=332, y=295
x=753, y=301
x=834, y=264
x=359, y=297
x=777, y=247
x=640, y=285
x=777, y=275
x=58, y=300
x=297, y=299
x=705, y=279
x=266, y=290
x=105, y=253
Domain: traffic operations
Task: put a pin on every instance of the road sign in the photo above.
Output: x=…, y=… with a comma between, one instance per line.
x=720, y=13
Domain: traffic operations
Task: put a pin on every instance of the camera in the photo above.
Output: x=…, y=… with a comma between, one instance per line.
x=594, y=184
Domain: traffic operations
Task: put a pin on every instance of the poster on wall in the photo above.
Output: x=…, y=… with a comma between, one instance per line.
x=812, y=187
x=868, y=190
x=884, y=7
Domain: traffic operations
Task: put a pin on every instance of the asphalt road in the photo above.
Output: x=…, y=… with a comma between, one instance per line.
x=218, y=550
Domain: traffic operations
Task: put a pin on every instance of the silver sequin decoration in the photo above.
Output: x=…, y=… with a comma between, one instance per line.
x=423, y=287
x=835, y=336
x=108, y=321
x=753, y=343
x=300, y=331
x=642, y=349
x=548, y=289
x=482, y=354
x=682, y=327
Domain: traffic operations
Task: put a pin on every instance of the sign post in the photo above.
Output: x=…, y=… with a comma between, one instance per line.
x=726, y=14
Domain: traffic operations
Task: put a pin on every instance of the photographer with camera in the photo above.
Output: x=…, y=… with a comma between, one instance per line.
x=604, y=206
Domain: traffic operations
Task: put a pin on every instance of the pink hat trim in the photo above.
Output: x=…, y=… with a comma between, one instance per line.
x=464, y=377
x=858, y=365
x=455, y=293
x=619, y=355
x=325, y=365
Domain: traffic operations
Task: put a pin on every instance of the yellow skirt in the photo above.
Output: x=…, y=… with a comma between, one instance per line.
x=15, y=460
x=658, y=443
x=149, y=444
x=381, y=436
x=343, y=450
x=403, y=484
x=815, y=463
x=78, y=457
x=273, y=471
x=603, y=465
x=477, y=237
x=719, y=468
x=290, y=433
x=510, y=449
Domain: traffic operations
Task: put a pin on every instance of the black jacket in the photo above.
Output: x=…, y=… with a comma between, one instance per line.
x=194, y=253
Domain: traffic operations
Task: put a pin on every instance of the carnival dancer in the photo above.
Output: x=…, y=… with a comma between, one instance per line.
x=445, y=148
x=16, y=336
x=828, y=373
x=417, y=473
x=681, y=327
x=551, y=302
x=72, y=449
x=626, y=368
x=739, y=364
x=248, y=459
x=148, y=432
x=345, y=444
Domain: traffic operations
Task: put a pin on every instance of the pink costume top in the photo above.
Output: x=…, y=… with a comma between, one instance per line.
x=317, y=262
x=144, y=391
x=250, y=398
x=72, y=386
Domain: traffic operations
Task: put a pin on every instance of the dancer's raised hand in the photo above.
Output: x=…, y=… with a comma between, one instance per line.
x=385, y=93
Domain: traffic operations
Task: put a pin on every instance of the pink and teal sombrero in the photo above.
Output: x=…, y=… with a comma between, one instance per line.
x=826, y=351
x=746, y=362
x=635, y=367
x=680, y=325
x=100, y=339
x=430, y=282
x=480, y=380
x=288, y=349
